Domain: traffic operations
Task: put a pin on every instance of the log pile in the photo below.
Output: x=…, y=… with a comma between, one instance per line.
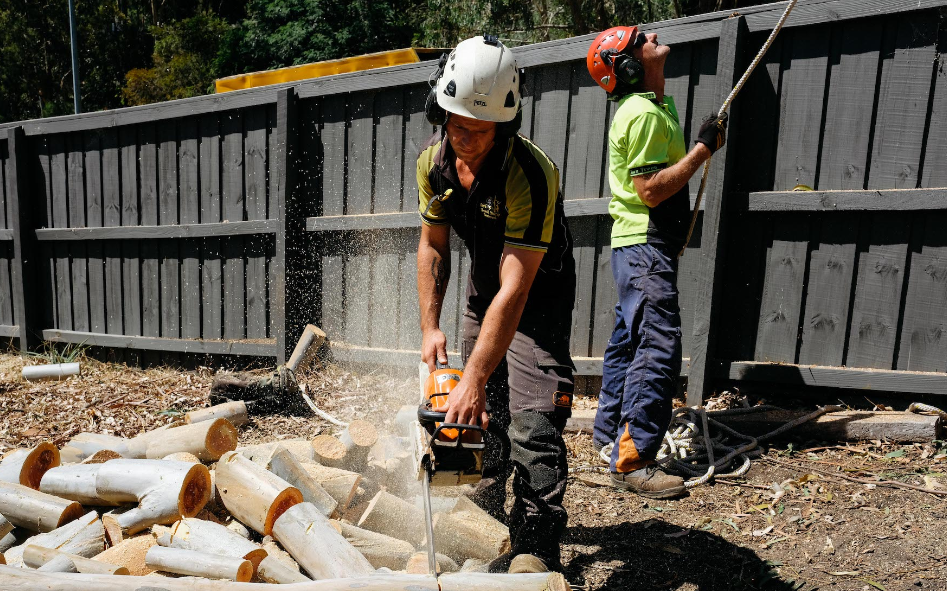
x=104, y=511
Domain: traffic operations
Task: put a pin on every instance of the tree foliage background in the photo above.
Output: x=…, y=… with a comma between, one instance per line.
x=134, y=52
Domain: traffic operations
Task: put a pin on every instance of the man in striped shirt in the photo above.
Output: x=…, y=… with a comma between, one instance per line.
x=500, y=194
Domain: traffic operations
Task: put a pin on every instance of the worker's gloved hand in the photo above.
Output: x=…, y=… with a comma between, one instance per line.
x=713, y=132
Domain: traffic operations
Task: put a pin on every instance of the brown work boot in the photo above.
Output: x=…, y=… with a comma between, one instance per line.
x=650, y=481
x=527, y=563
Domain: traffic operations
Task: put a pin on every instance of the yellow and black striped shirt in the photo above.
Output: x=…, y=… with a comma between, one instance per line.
x=514, y=201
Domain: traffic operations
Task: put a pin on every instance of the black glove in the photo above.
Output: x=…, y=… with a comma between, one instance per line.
x=713, y=132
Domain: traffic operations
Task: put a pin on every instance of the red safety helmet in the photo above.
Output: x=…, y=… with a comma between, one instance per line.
x=612, y=42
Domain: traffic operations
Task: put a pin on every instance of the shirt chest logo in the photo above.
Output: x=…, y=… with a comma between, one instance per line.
x=490, y=208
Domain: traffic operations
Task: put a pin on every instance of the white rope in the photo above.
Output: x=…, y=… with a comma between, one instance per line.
x=919, y=407
x=726, y=105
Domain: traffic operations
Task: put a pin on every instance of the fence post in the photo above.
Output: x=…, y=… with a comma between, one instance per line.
x=26, y=254
x=733, y=34
x=285, y=319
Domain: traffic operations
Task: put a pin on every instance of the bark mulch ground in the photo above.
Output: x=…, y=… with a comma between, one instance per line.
x=797, y=520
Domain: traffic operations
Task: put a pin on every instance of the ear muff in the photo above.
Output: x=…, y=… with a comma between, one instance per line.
x=436, y=115
x=628, y=69
x=509, y=128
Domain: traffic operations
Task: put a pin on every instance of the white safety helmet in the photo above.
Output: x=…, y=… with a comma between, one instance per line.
x=480, y=81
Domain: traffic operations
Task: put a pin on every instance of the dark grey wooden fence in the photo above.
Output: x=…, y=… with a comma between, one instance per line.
x=222, y=224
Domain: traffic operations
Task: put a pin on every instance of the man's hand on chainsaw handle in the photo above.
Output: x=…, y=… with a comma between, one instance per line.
x=467, y=404
x=433, y=348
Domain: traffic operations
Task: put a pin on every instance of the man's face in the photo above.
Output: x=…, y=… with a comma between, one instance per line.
x=651, y=54
x=470, y=138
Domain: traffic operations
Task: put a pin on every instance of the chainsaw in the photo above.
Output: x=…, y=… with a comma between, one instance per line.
x=446, y=454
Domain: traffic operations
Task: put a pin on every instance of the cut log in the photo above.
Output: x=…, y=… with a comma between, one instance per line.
x=848, y=425
x=84, y=536
x=198, y=564
x=358, y=438
x=306, y=348
x=5, y=526
x=34, y=510
x=208, y=440
x=70, y=455
x=182, y=456
x=39, y=557
x=469, y=581
x=207, y=536
x=16, y=579
x=279, y=566
x=318, y=548
x=235, y=412
x=252, y=494
x=342, y=485
x=102, y=456
x=75, y=482
x=130, y=554
x=329, y=451
x=287, y=467
x=417, y=564
x=89, y=443
x=165, y=491
x=275, y=571
x=491, y=532
x=389, y=515
x=27, y=466
x=239, y=529
x=381, y=551
x=461, y=541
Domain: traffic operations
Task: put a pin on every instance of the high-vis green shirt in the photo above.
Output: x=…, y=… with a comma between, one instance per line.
x=645, y=137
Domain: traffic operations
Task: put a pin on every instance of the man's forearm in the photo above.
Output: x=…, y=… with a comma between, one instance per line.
x=433, y=275
x=659, y=186
x=496, y=334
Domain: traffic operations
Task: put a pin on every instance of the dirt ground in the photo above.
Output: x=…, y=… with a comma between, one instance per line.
x=795, y=521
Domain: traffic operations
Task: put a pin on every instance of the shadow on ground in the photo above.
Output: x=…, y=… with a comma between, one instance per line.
x=655, y=555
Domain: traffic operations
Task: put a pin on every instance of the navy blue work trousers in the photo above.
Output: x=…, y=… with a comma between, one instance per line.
x=643, y=357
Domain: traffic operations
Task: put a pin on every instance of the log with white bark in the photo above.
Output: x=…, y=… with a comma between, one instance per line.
x=27, y=466
x=182, y=456
x=306, y=348
x=198, y=564
x=329, y=451
x=208, y=440
x=5, y=526
x=278, y=566
x=17, y=579
x=252, y=494
x=207, y=536
x=389, y=515
x=418, y=563
x=89, y=443
x=488, y=538
x=287, y=467
x=235, y=412
x=30, y=580
x=342, y=485
x=164, y=490
x=358, y=438
x=34, y=510
x=274, y=571
x=102, y=456
x=71, y=455
x=380, y=550
x=6, y=542
x=239, y=529
x=43, y=558
x=84, y=536
x=318, y=548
